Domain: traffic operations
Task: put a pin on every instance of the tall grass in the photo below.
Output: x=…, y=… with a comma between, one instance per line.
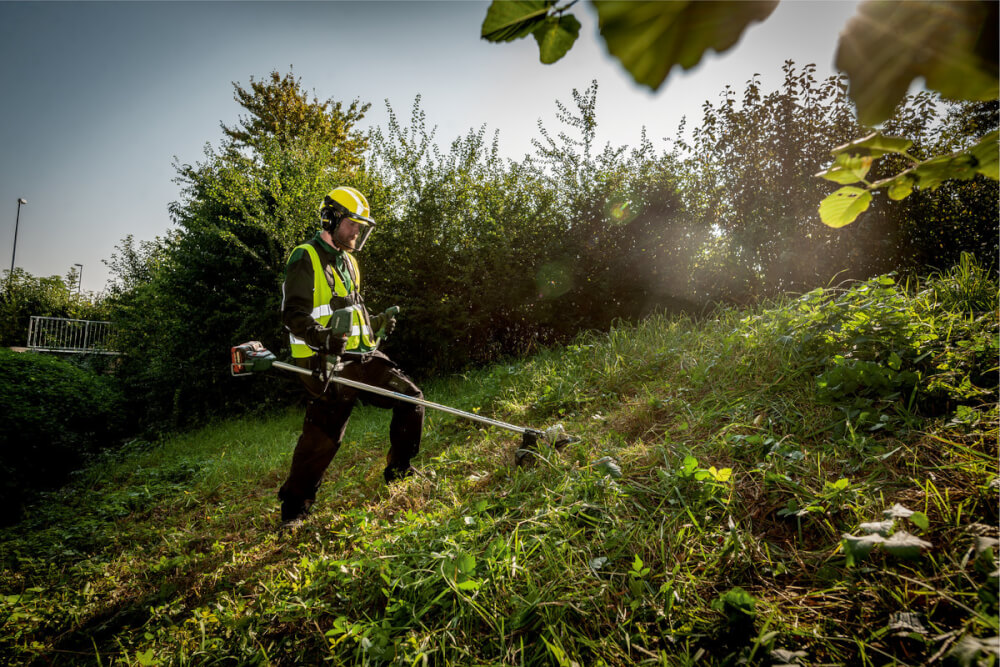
x=811, y=481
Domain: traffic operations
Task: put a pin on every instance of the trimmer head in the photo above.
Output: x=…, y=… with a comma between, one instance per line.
x=250, y=358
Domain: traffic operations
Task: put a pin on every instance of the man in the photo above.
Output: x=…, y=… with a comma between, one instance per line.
x=322, y=276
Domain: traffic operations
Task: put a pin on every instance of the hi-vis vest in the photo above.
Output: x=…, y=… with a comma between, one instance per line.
x=322, y=310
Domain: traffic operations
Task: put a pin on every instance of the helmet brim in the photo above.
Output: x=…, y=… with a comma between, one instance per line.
x=361, y=220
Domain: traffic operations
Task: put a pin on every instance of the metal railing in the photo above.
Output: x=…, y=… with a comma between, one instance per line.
x=59, y=334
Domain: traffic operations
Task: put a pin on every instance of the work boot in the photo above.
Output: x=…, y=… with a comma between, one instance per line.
x=395, y=472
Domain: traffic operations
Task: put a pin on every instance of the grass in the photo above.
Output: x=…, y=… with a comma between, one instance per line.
x=813, y=481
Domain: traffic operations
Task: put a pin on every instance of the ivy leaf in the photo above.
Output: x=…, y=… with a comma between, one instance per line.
x=556, y=36
x=844, y=206
x=507, y=20
x=650, y=37
x=904, y=545
x=887, y=44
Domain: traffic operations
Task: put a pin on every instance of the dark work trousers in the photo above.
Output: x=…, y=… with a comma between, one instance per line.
x=326, y=420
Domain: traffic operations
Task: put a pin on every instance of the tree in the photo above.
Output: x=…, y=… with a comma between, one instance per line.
x=279, y=109
x=215, y=281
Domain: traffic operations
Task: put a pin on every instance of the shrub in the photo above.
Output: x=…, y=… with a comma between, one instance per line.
x=55, y=413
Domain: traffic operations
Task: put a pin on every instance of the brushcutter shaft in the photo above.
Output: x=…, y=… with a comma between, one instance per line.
x=410, y=399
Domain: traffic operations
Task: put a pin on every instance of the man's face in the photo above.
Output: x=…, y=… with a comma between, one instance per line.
x=346, y=234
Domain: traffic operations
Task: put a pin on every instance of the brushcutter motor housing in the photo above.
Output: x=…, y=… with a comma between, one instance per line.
x=250, y=358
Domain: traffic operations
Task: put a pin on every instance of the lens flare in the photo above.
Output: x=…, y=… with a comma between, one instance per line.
x=620, y=209
x=553, y=280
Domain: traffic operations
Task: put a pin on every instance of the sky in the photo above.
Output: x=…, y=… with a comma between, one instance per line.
x=101, y=98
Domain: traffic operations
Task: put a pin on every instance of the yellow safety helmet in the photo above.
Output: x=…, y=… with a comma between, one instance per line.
x=346, y=202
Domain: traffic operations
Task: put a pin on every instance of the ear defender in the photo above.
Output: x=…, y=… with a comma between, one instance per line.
x=330, y=218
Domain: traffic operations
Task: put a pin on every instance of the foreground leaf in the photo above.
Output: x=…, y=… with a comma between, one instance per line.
x=844, y=206
x=857, y=548
x=904, y=545
x=882, y=528
x=555, y=36
x=888, y=44
x=507, y=20
x=649, y=38
x=897, y=511
x=847, y=169
x=874, y=145
x=986, y=154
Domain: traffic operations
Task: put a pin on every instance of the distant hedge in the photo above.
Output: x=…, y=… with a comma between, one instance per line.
x=54, y=413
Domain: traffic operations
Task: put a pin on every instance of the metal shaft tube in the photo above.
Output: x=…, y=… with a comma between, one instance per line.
x=409, y=399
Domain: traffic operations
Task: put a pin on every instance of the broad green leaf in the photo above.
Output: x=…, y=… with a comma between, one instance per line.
x=607, y=466
x=722, y=475
x=844, y=206
x=507, y=20
x=986, y=152
x=555, y=36
x=637, y=564
x=888, y=44
x=847, y=169
x=469, y=585
x=882, y=528
x=839, y=485
x=904, y=545
x=932, y=173
x=857, y=548
x=466, y=564
x=650, y=37
x=895, y=362
x=901, y=186
x=897, y=511
x=920, y=520
x=970, y=651
x=874, y=145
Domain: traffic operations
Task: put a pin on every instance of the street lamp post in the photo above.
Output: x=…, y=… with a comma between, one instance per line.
x=79, y=282
x=17, y=221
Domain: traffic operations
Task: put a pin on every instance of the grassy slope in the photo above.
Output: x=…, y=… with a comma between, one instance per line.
x=720, y=539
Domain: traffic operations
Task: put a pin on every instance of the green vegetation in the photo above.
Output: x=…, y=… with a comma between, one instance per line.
x=55, y=413
x=490, y=257
x=809, y=481
x=23, y=295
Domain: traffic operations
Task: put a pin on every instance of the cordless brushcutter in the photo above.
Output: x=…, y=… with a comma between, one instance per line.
x=252, y=357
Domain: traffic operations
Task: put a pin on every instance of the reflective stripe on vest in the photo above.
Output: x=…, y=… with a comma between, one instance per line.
x=322, y=310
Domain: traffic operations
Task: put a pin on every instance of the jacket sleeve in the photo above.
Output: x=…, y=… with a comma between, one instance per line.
x=297, y=298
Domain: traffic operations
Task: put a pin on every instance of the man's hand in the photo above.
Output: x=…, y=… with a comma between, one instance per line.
x=384, y=324
x=327, y=341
